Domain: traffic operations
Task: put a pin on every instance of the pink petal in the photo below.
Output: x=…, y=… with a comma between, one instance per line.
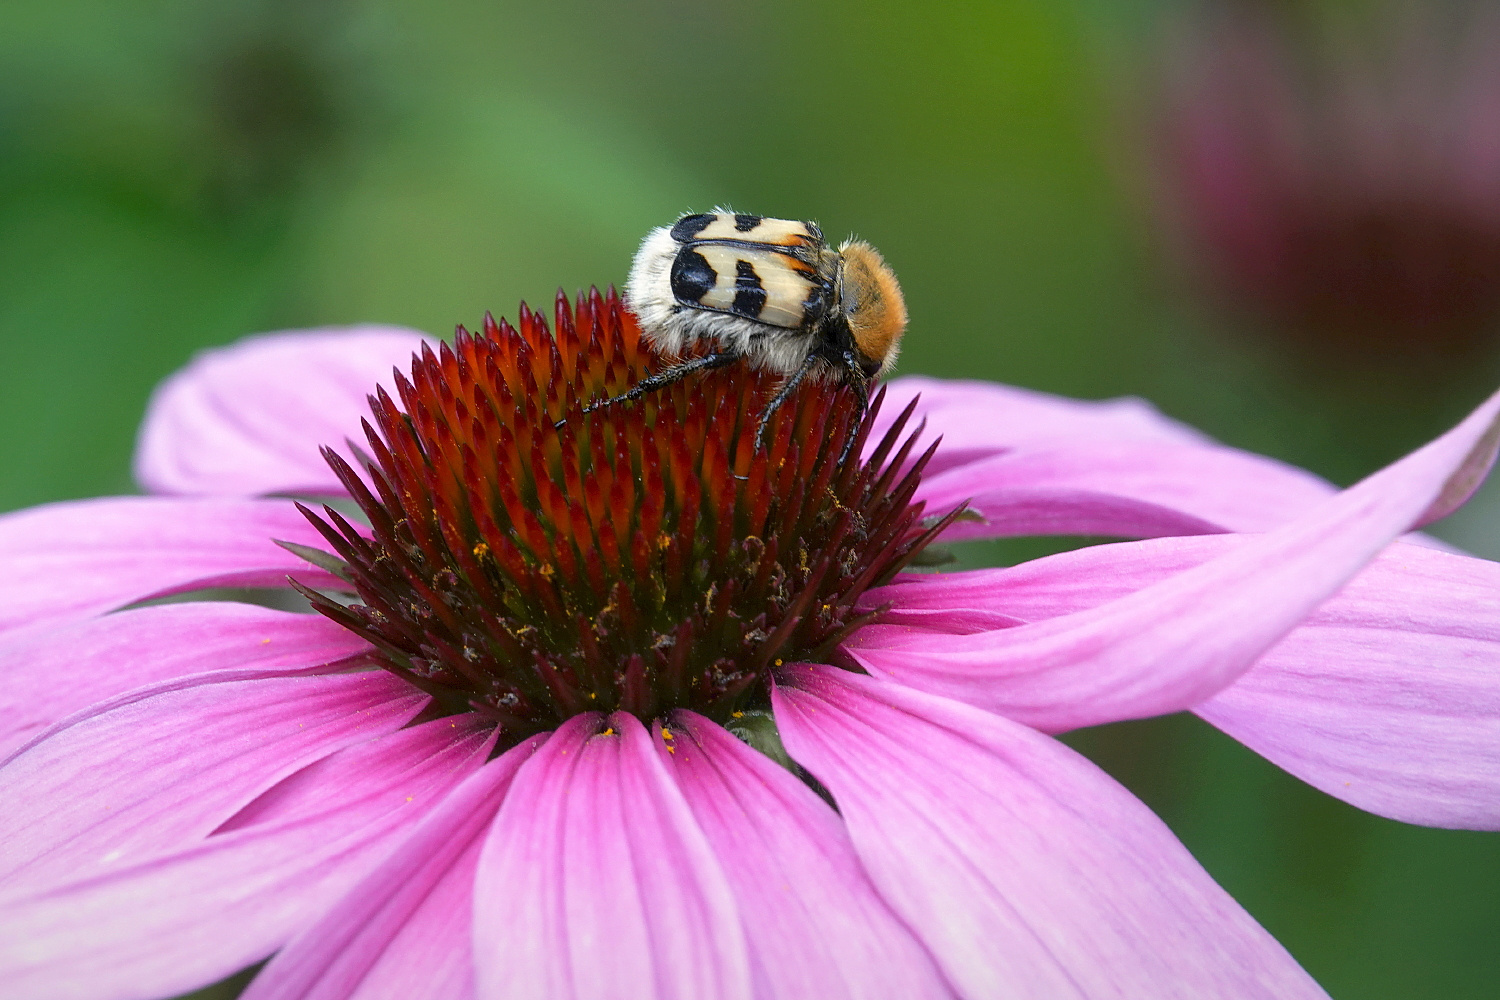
x=72, y=560
x=1387, y=696
x=1390, y=697
x=1025, y=870
x=815, y=925
x=976, y=419
x=1124, y=489
x=595, y=882
x=900, y=626
x=405, y=930
x=1048, y=587
x=1175, y=643
x=248, y=419
x=165, y=771
x=51, y=674
x=186, y=918
x=1035, y=464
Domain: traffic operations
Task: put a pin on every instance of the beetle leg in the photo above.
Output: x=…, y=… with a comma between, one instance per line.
x=663, y=379
x=782, y=394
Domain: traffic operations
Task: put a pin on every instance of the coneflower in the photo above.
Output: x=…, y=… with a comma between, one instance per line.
x=621, y=705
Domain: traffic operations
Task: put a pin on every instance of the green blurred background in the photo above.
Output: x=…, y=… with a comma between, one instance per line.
x=175, y=174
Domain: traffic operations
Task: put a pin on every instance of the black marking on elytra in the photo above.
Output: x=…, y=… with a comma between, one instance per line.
x=815, y=306
x=691, y=225
x=749, y=294
x=745, y=223
x=692, y=276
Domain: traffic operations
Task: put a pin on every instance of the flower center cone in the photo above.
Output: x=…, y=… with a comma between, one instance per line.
x=530, y=561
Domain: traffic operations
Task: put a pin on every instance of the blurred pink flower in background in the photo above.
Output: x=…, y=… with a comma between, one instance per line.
x=195, y=787
x=1343, y=186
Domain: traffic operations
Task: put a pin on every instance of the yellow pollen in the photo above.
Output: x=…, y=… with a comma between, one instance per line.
x=737, y=715
x=609, y=731
x=481, y=550
x=666, y=733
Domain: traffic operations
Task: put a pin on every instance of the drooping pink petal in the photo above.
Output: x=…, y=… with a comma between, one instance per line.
x=1177, y=642
x=71, y=560
x=1387, y=696
x=1390, y=697
x=248, y=419
x=165, y=771
x=405, y=930
x=595, y=883
x=1122, y=489
x=48, y=675
x=1025, y=870
x=815, y=925
x=185, y=918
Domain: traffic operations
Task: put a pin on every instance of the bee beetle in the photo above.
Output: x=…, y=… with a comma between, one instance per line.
x=771, y=292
